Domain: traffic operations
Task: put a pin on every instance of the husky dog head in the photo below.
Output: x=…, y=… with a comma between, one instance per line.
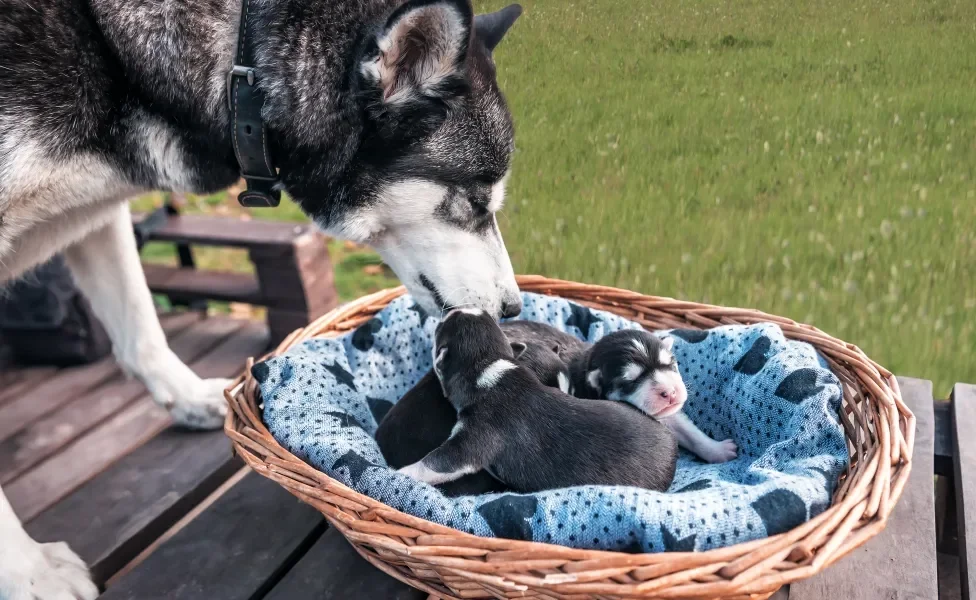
x=427, y=174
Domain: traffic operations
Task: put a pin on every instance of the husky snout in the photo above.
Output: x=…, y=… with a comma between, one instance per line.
x=512, y=306
x=457, y=269
x=446, y=247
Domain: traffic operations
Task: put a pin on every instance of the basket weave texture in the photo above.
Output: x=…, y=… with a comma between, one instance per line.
x=451, y=564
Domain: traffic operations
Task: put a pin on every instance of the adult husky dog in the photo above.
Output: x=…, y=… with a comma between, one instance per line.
x=382, y=117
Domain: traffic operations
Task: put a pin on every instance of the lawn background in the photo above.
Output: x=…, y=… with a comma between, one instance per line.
x=815, y=160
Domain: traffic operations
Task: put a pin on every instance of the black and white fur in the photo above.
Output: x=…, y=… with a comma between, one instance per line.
x=384, y=117
x=529, y=436
x=639, y=368
x=423, y=418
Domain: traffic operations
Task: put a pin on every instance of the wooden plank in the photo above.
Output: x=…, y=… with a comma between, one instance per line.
x=195, y=284
x=176, y=527
x=302, y=279
x=237, y=548
x=222, y=231
x=283, y=322
x=943, y=438
x=948, y=567
x=964, y=416
x=22, y=379
x=333, y=570
x=900, y=562
x=84, y=458
x=44, y=437
x=113, y=517
x=946, y=534
x=81, y=460
x=50, y=393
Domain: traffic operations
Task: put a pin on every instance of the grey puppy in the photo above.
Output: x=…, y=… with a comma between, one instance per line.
x=529, y=436
x=423, y=418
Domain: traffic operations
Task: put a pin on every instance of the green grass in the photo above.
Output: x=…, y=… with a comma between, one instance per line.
x=815, y=160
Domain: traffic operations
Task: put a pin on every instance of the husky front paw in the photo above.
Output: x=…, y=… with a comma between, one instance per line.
x=44, y=572
x=203, y=408
x=720, y=452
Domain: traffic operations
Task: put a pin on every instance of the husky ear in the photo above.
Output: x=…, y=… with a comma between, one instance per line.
x=492, y=27
x=421, y=51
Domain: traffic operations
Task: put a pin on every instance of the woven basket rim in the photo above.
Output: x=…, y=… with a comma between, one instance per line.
x=878, y=425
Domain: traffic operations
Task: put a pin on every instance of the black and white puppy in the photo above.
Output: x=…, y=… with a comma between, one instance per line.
x=637, y=367
x=423, y=418
x=529, y=436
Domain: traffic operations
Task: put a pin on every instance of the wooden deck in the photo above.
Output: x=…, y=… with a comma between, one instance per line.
x=86, y=457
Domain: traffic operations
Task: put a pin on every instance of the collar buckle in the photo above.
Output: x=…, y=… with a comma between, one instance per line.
x=238, y=71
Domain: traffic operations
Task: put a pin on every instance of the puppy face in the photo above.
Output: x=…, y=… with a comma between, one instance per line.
x=638, y=368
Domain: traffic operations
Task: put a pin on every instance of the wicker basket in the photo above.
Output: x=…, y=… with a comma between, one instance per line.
x=448, y=563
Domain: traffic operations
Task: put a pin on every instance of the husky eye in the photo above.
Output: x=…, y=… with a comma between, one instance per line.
x=480, y=208
x=479, y=203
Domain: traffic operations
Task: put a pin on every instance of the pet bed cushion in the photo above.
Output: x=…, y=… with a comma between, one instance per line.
x=776, y=398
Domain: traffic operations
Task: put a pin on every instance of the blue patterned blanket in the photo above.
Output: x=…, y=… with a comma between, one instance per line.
x=776, y=398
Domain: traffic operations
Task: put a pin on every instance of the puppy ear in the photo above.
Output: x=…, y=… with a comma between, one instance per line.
x=439, y=355
x=668, y=343
x=492, y=27
x=421, y=51
x=593, y=378
x=562, y=382
x=517, y=349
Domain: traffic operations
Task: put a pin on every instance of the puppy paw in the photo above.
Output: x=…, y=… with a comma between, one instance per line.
x=720, y=452
x=203, y=408
x=421, y=472
x=44, y=572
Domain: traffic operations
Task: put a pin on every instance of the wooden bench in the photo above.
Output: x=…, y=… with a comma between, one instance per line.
x=161, y=513
x=293, y=277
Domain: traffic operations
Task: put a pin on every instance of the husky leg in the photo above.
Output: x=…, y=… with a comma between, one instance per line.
x=33, y=571
x=106, y=268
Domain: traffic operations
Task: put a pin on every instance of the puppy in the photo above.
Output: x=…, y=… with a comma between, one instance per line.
x=420, y=422
x=423, y=418
x=566, y=346
x=637, y=367
x=529, y=436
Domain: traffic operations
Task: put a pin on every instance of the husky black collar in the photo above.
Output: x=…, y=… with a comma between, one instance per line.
x=248, y=131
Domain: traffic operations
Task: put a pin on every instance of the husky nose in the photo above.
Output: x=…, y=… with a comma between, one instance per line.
x=511, y=308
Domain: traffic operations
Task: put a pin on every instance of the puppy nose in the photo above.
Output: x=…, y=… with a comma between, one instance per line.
x=511, y=308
